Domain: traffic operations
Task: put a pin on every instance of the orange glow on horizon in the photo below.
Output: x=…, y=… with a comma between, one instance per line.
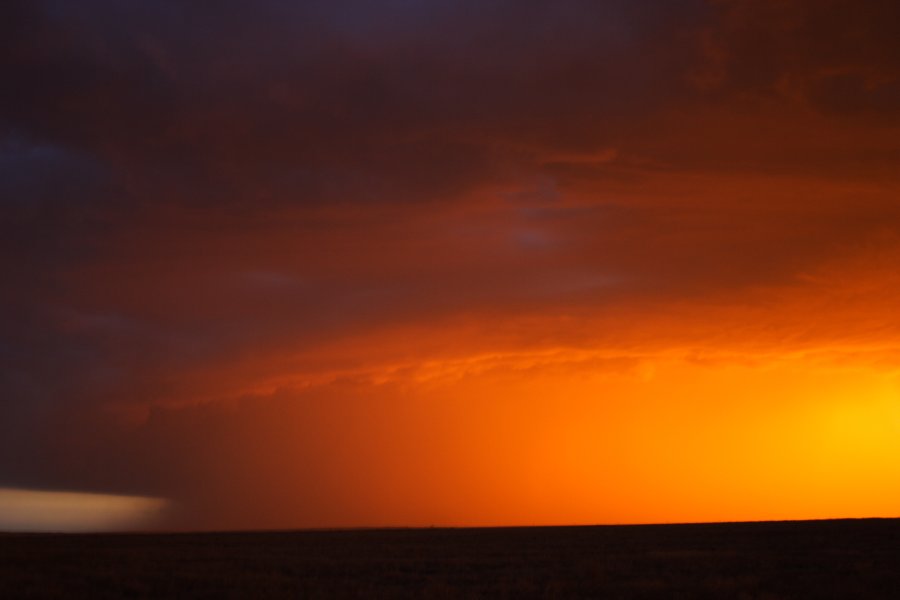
x=656, y=440
x=656, y=417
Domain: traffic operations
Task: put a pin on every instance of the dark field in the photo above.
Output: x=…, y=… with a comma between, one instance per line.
x=815, y=559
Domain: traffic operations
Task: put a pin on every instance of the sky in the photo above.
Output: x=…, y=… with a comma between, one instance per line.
x=284, y=264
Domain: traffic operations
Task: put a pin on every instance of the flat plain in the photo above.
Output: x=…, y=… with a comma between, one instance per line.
x=771, y=560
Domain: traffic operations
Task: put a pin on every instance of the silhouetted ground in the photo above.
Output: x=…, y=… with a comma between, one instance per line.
x=814, y=559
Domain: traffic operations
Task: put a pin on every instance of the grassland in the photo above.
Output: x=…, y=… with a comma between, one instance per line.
x=815, y=559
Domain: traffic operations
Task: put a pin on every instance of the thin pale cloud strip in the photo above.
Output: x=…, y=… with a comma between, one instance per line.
x=58, y=511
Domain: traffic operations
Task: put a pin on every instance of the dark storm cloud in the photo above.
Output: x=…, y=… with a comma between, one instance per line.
x=842, y=57
x=303, y=99
x=108, y=106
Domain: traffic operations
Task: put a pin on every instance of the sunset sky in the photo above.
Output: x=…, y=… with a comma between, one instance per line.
x=319, y=263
